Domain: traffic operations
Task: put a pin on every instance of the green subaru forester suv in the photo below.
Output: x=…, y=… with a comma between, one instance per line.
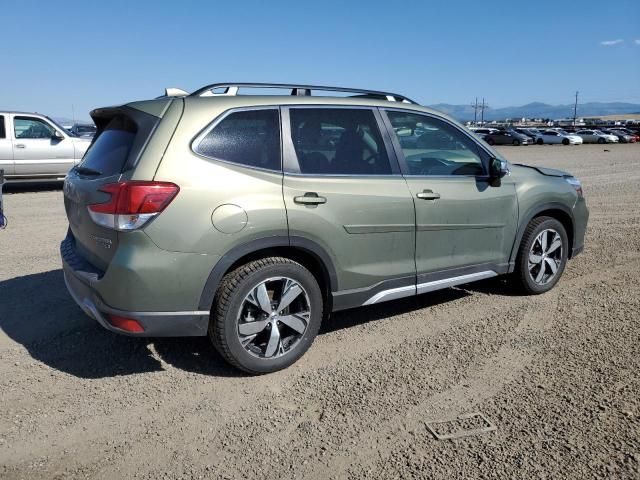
x=250, y=218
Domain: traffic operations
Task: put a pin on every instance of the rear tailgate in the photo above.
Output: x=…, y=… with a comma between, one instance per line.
x=116, y=152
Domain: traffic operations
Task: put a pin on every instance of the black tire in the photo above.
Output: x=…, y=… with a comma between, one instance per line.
x=539, y=141
x=228, y=301
x=491, y=141
x=516, y=143
x=601, y=140
x=522, y=277
x=565, y=141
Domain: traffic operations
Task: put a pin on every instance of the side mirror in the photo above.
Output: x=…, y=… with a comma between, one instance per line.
x=498, y=168
x=56, y=135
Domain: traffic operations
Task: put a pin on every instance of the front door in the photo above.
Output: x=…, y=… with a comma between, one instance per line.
x=465, y=227
x=37, y=152
x=343, y=190
x=6, y=148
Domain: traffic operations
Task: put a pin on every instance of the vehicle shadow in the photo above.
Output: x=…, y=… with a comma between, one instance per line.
x=37, y=312
x=499, y=286
x=362, y=315
x=30, y=187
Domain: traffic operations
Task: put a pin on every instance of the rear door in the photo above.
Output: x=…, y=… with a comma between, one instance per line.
x=343, y=190
x=113, y=155
x=36, y=151
x=6, y=148
x=502, y=138
x=550, y=137
x=464, y=225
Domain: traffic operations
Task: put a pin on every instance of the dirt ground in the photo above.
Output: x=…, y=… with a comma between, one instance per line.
x=557, y=374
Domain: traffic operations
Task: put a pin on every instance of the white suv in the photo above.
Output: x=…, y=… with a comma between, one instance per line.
x=34, y=147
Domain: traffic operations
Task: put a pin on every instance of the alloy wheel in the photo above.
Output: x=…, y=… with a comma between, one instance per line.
x=273, y=317
x=545, y=256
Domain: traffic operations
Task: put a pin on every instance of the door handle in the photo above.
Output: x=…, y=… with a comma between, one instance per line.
x=20, y=145
x=427, y=194
x=310, y=198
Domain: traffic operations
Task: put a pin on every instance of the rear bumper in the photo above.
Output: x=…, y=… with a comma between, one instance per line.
x=155, y=324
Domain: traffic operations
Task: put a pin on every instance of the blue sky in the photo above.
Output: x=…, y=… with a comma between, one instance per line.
x=89, y=54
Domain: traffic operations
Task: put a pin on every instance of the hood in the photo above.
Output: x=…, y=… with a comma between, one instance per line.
x=549, y=172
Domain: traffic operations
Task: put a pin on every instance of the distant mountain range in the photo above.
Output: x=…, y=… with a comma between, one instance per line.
x=539, y=110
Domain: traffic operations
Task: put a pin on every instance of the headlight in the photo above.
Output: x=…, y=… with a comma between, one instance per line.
x=575, y=183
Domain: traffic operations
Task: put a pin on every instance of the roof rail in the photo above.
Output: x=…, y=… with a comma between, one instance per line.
x=298, y=90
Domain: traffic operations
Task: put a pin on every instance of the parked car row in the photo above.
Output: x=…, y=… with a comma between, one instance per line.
x=550, y=136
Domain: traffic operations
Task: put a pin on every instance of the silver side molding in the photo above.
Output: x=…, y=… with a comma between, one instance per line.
x=400, y=292
x=392, y=294
x=450, y=282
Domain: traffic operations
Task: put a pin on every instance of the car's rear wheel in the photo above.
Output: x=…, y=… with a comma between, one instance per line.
x=565, y=141
x=516, y=142
x=266, y=314
x=601, y=140
x=542, y=255
x=539, y=141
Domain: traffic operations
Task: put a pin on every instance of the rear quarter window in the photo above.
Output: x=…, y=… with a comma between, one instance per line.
x=248, y=137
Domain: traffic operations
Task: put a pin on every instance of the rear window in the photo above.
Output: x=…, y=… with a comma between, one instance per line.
x=110, y=150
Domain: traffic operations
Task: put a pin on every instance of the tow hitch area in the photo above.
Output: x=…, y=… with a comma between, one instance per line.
x=3, y=219
x=461, y=426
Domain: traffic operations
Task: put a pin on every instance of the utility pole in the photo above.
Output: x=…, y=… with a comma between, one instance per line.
x=475, y=112
x=482, y=109
x=575, y=109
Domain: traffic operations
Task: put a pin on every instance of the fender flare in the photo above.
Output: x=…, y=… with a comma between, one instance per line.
x=526, y=219
x=239, y=251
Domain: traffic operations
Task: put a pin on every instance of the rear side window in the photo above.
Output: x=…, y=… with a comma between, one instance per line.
x=338, y=141
x=3, y=132
x=110, y=150
x=249, y=137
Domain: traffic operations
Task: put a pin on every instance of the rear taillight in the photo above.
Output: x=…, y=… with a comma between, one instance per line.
x=132, y=204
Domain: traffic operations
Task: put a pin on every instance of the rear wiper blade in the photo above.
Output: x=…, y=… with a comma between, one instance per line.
x=86, y=170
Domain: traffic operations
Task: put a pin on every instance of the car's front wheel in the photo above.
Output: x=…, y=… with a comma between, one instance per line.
x=266, y=314
x=565, y=141
x=539, y=141
x=516, y=143
x=601, y=140
x=542, y=255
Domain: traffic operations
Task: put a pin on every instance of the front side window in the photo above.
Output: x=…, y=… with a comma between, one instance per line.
x=27, y=127
x=250, y=138
x=434, y=147
x=338, y=141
